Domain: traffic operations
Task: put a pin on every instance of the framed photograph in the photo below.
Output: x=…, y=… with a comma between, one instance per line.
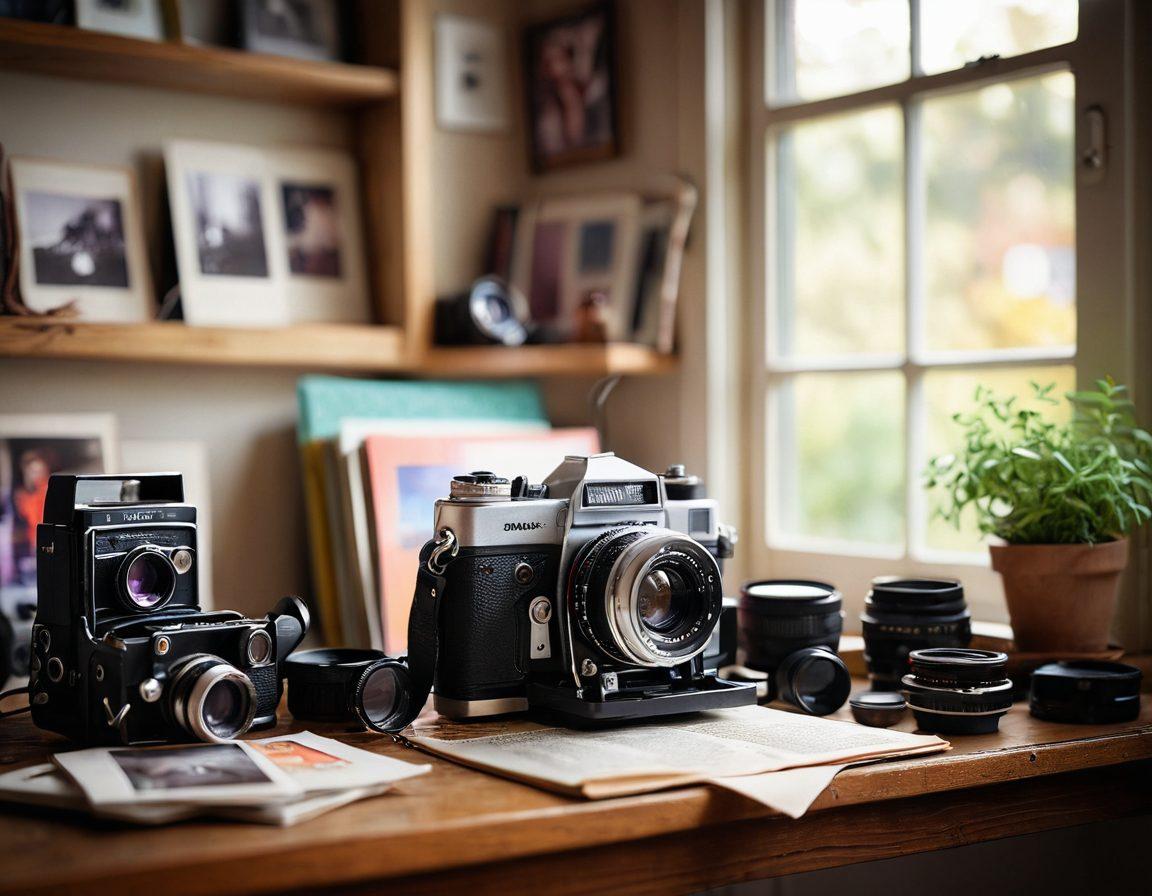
x=570, y=77
x=81, y=240
x=471, y=75
x=130, y=18
x=32, y=448
x=229, y=249
x=318, y=214
x=201, y=22
x=303, y=29
x=568, y=249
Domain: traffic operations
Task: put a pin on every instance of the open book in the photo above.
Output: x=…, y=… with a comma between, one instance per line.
x=640, y=758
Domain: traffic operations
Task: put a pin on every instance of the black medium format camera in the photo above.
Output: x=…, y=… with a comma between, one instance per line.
x=593, y=595
x=121, y=651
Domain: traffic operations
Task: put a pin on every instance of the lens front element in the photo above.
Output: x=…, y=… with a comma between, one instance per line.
x=210, y=699
x=147, y=579
x=382, y=695
x=661, y=599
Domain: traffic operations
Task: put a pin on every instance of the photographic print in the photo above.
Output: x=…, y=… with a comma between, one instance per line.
x=471, y=75
x=200, y=766
x=229, y=240
x=76, y=240
x=229, y=225
x=319, y=208
x=320, y=763
x=571, y=81
x=130, y=18
x=312, y=228
x=32, y=448
x=80, y=240
x=304, y=29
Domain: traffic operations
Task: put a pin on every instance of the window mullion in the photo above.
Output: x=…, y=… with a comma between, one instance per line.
x=915, y=66
x=914, y=411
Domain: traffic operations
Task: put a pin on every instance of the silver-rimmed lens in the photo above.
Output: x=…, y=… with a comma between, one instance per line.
x=259, y=648
x=210, y=699
x=147, y=579
x=647, y=596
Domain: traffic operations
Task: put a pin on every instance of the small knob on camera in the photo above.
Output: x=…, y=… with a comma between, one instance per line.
x=481, y=485
x=680, y=485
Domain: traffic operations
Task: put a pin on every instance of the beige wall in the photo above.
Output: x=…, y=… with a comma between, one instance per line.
x=246, y=417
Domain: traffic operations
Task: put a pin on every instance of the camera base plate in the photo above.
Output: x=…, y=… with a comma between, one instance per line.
x=710, y=693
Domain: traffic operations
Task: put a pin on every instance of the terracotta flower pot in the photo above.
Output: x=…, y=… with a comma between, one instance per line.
x=1061, y=597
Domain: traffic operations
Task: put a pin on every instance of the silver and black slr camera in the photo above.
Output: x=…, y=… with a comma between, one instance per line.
x=121, y=651
x=593, y=595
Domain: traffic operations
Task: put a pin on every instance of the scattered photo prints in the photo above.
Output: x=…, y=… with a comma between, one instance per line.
x=200, y=766
x=571, y=81
x=81, y=240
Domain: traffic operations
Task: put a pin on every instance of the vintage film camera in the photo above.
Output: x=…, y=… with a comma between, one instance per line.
x=594, y=595
x=121, y=651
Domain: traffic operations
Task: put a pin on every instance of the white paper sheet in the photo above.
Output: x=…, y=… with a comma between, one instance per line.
x=791, y=791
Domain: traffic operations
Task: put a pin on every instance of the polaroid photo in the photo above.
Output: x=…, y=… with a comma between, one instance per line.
x=229, y=250
x=320, y=764
x=129, y=18
x=303, y=29
x=317, y=199
x=81, y=240
x=198, y=774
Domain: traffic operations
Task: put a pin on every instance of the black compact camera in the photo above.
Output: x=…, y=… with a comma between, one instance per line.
x=121, y=651
x=593, y=595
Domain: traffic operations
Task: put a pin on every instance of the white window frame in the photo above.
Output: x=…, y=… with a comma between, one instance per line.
x=1108, y=320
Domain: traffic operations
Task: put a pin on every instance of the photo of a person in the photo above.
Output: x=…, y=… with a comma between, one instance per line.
x=572, y=90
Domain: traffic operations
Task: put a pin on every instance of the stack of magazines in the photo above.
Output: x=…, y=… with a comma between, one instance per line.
x=278, y=780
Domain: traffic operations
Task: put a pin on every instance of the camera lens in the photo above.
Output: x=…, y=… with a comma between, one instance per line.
x=815, y=680
x=210, y=699
x=958, y=691
x=647, y=596
x=902, y=615
x=147, y=579
x=381, y=695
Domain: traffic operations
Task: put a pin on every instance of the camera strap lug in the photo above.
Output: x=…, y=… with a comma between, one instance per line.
x=446, y=543
x=118, y=720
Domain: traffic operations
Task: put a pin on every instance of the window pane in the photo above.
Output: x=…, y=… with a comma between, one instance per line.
x=1000, y=232
x=841, y=233
x=841, y=471
x=840, y=46
x=954, y=33
x=947, y=392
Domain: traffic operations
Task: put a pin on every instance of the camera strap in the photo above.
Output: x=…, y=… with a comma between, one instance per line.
x=424, y=625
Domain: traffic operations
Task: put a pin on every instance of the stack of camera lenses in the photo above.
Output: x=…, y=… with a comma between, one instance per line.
x=956, y=691
x=902, y=615
x=790, y=629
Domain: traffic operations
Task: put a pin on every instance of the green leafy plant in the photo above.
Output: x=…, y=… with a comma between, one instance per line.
x=1033, y=481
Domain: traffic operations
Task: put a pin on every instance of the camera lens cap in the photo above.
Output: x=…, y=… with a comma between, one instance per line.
x=382, y=694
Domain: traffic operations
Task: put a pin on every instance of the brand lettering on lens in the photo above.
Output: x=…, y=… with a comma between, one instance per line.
x=523, y=527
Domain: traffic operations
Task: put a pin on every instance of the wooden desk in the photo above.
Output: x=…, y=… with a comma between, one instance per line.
x=458, y=830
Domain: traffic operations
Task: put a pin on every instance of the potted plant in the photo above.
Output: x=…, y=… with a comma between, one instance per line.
x=1061, y=497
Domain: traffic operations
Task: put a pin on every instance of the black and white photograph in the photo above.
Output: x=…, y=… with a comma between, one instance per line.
x=229, y=224
x=304, y=29
x=76, y=240
x=130, y=18
x=200, y=766
x=81, y=241
x=312, y=229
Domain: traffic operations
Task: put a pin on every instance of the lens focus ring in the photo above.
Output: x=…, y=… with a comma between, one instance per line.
x=210, y=699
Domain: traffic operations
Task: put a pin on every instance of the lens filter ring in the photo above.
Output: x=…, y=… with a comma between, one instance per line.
x=382, y=696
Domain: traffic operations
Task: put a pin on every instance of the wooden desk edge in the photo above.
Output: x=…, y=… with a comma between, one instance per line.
x=449, y=846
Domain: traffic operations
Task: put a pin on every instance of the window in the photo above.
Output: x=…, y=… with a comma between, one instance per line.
x=917, y=197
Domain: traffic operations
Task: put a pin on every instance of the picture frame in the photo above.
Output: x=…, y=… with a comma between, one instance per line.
x=142, y=19
x=570, y=78
x=32, y=448
x=81, y=240
x=570, y=247
x=228, y=247
x=471, y=75
x=301, y=29
x=211, y=23
x=319, y=216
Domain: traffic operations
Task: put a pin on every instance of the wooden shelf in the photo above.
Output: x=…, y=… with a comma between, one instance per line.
x=349, y=347
x=93, y=56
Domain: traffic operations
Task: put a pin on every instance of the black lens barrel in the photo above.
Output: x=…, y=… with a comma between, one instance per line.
x=322, y=683
x=902, y=615
x=958, y=691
